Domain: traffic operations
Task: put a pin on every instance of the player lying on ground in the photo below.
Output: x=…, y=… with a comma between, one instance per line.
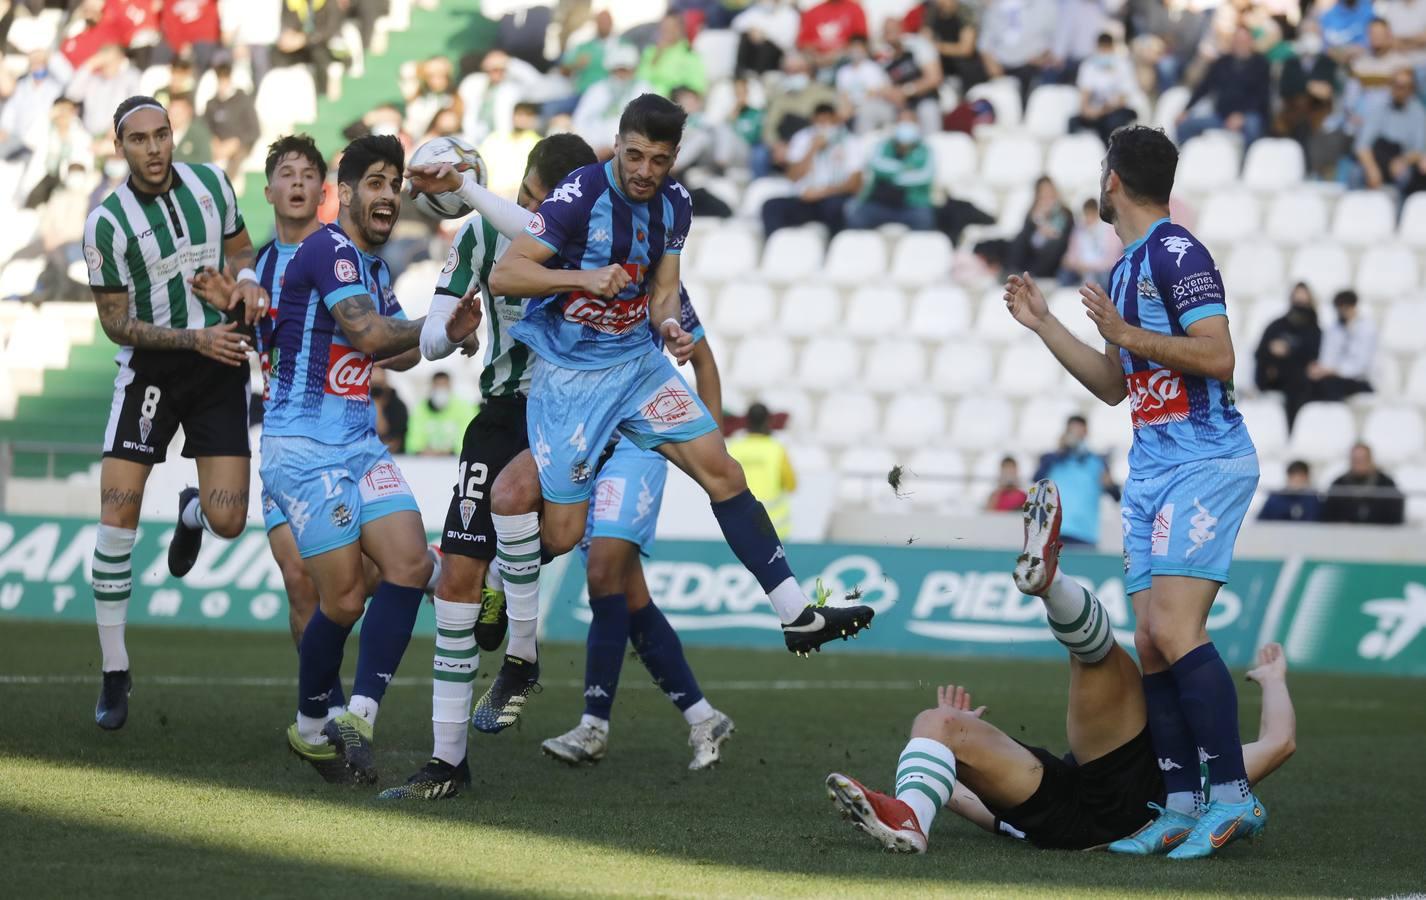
x=182, y=362
x=1192, y=469
x=1108, y=790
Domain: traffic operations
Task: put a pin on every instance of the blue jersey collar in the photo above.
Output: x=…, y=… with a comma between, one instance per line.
x=1148, y=234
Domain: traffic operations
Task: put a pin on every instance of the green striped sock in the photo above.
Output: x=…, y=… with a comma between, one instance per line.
x=517, y=554
x=453, y=677
x=112, y=576
x=925, y=779
x=1078, y=620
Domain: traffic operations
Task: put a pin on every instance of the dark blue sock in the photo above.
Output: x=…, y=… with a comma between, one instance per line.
x=385, y=632
x=1172, y=739
x=661, y=652
x=339, y=696
x=604, y=653
x=319, y=663
x=1210, y=704
x=751, y=537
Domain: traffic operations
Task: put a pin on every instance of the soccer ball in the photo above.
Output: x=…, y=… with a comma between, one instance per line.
x=447, y=150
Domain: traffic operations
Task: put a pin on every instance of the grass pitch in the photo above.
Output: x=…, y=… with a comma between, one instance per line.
x=199, y=796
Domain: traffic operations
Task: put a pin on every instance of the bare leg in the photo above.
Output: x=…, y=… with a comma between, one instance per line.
x=223, y=492
x=988, y=761
x=1106, y=705
x=301, y=591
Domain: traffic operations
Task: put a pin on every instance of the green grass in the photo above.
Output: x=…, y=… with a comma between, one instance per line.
x=198, y=795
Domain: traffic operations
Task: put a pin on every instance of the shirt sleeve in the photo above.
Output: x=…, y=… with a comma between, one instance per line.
x=465, y=254
x=682, y=220
x=232, y=216
x=564, y=213
x=104, y=247
x=1186, y=278
x=332, y=265
x=688, y=316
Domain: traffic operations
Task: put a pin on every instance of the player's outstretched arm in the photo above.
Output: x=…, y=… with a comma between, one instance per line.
x=220, y=342
x=241, y=259
x=1098, y=372
x=1206, y=350
x=1277, y=726
x=521, y=272
x=371, y=332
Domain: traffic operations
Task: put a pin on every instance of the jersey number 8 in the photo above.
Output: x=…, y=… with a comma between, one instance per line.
x=150, y=405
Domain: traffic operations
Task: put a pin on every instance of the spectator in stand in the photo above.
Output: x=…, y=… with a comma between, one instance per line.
x=445, y=124
x=104, y=81
x=250, y=30
x=828, y=27
x=952, y=32
x=1078, y=27
x=767, y=466
x=670, y=62
x=1391, y=145
x=1094, y=248
x=192, y=142
x=436, y=425
x=1407, y=19
x=1081, y=476
x=488, y=99
x=430, y=90
x=1167, y=36
x=824, y=163
x=181, y=80
x=231, y=117
x=365, y=13
x=92, y=26
x=191, y=28
x=1016, y=40
x=583, y=63
x=1307, y=86
x=1239, y=87
x=1288, y=348
x=897, y=184
x=308, y=27
x=862, y=81
x=1106, y=84
x=914, y=68
x=59, y=146
x=1040, y=246
x=766, y=30
x=29, y=104
x=64, y=164
x=742, y=144
x=1364, y=495
x=1008, y=495
x=392, y=419
x=1348, y=353
x=790, y=105
x=1297, y=502
x=596, y=118
x=505, y=152
x=1371, y=72
x=702, y=143
x=1344, y=28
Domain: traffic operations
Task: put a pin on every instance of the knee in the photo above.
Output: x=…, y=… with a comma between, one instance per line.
x=725, y=477
x=228, y=521
x=955, y=728
x=461, y=579
x=1170, y=640
x=558, y=537
x=606, y=578
x=413, y=571
x=345, y=608
x=514, y=496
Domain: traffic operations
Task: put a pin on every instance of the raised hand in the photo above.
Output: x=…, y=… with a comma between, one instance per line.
x=954, y=696
x=435, y=178
x=1271, y=665
x=1024, y=301
x=223, y=343
x=679, y=342
x=606, y=282
x=1103, y=313
x=463, y=327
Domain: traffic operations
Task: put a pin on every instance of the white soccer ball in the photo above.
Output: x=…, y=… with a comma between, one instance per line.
x=447, y=150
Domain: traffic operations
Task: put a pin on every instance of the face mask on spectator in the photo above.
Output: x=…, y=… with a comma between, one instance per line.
x=907, y=134
x=1309, y=44
x=440, y=397
x=115, y=168
x=827, y=131
x=796, y=82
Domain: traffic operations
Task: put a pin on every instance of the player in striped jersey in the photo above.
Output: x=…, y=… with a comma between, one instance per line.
x=182, y=362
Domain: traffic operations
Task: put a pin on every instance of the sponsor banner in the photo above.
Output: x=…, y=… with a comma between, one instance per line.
x=1355, y=617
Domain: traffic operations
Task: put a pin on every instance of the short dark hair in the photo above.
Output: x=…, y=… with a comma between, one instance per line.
x=1298, y=467
x=657, y=118
x=554, y=157
x=1105, y=38
x=824, y=108
x=1009, y=461
x=180, y=97
x=1345, y=298
x=1145, y=160
x=128, y=106
x=758, y=416
x=1077, y=419
x=363, y=152
x=530, y=108
x=300, y=144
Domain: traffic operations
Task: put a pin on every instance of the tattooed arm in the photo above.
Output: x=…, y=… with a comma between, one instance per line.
x=402, y=361
x=242, y=258
x=219, y=342
x=371, y=332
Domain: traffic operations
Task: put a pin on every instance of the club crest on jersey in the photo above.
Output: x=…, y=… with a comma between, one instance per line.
x=346, y=271
x=670, y=406
x=207, y=203
x=341, y=515
x=581, y=472
x=1147, y=290
x=348, y=373
x=93, y=258
x=1178, y=246
x=145, y=427
x=467, y=510
x=537, y=225
x=1156, y=397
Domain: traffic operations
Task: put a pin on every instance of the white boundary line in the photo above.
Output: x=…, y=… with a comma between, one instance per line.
x=260, y=682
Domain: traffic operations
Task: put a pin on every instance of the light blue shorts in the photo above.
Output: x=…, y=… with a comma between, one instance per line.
x=271, y=515
x=572, y=413
x=327, y=492
x=1186, y=520
x=627, y=495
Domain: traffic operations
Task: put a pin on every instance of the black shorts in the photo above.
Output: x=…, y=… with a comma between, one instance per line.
x=493, y=438
x=1079, y=807
x=159, y=390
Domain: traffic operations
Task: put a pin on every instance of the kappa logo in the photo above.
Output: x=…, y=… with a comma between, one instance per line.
x=595, y=691
x=145, y=428
x=467, y=509
x=296, y=512
x=1201, y=531
x=1178, y=246
x=1162, y=530
x=341, y=240
x=346, y=271
x=777, y=554
x=567, y=192
x=319, y=698
x=1204, y=756
x=541, y=450
x=1167, y=765
x=600, y=236
x=676, y=696
x=645, y=503
x=384, y=676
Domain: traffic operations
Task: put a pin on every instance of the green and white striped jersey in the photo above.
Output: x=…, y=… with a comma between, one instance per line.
x=473, y=255
x=150, y=245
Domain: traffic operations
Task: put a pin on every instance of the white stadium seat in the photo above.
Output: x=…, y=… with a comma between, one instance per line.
x=1042, y=421
x=796, y=403
x=1253, y=269
x=994, y=322
x=1416, y=382
x=761, y=190
x=863, y=472
x=1171, y=102
x=982, y=422
x=914, y=420
x=35, y=343
x=1364, y=218
x=894, y=365
x=810, y=310
x=828, y=363
x=1068, y=307
x=854, y=257
x=809, y=457
x=1387, y=272
x=1386, y=379
x=726, y=254
x=1404, y=328
x=921, y=258
x=1273, y=164
x=939, y=313
x=963, y=368
x=1028, y=370
x=1323, y=433
x=1412, y=227
x=1297, y=217
x=1011, y=161
x=1207, y=163
x=876, y=311
x=847, y=420
x=760, y=361
x=745, y=307
x=1110, y=430
x=286, y=98
x=1229, y=216
x=1395, y=435
x=718, y=48
x=955, y=156
x=1267, y=423
x=1073, y=162
x=936, y=478
x=1050, y=108
x=1324, y=266
x=1004, y=96
x=793, y=255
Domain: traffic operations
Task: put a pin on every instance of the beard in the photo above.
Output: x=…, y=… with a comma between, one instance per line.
x=1107, y=214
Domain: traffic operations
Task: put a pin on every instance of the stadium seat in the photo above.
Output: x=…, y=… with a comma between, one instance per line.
x=939, y=313
x=154, y=79
x=1011, y=161
x=993, y=321
x=1324, y=266
x=1267, y=423
x=761, y=190
x=1386, y=379
x=982, y=422
x=1110, y=429
x=286, y=98
x=413, y=286
x=718, y=48
x=1412, y=481
x=1323, y=432
x=1396, y=435
x=1229, y=216
x=914, y=420
x=1004, y=95
x=1296, y=217
x=1050, y=108
x=1014, y=208
x=1404, y=328
x=761, y=360
x=19, y=277
x=1387, y=272
x=36, y=344
x=955, y=157
x=1273, y=164
x=745, y=308
x=1207, y=163
x=1254, y=269
x=1073, y=162
x=855, y=257
x=809, y=310
x=863, y=473
x=21, y=225
x=1068, y=307
x=1416, y=382
x=921, y=258
x=1028, y=370
x=894, y=365
x=725, y=255
x=1411, y=230
x=935, y=478
x=963, y=368
x=847, y=420
x=1171, y=103
x=1364, y=218
x=876, y=311
x=797, y=404
x=809, y=457
x=1042, y=422
x=828, y=363
x=793, y=255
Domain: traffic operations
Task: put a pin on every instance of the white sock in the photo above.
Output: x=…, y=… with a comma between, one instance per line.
x=192, y=516
x=598, y=724
x=365, y=707
x=1078, y=619
x=789, y=601
x=701, y=711
x=435, y=570
x=493, y=581
x=453, y=678
x=310, y=729
x=1236, y=791
x=517, y=553
x=1190, y=803
x=334, y=711
x=925, y=779
x=112, y=580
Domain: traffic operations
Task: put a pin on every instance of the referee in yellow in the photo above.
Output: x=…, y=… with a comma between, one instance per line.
x=767, y=467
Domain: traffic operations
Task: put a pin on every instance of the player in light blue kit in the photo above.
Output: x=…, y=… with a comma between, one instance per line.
x=1192, y=473
x=601, y=257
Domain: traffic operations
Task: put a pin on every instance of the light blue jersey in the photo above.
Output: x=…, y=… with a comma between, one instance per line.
x=272, y=262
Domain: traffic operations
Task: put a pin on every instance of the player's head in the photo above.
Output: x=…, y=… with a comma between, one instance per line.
x=1138, y=170
x=144, y=137
x=550, y=162
x=759, y=419
x=649, y=134
x=369, y=187
x=295, y=172
x=1299, y=476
